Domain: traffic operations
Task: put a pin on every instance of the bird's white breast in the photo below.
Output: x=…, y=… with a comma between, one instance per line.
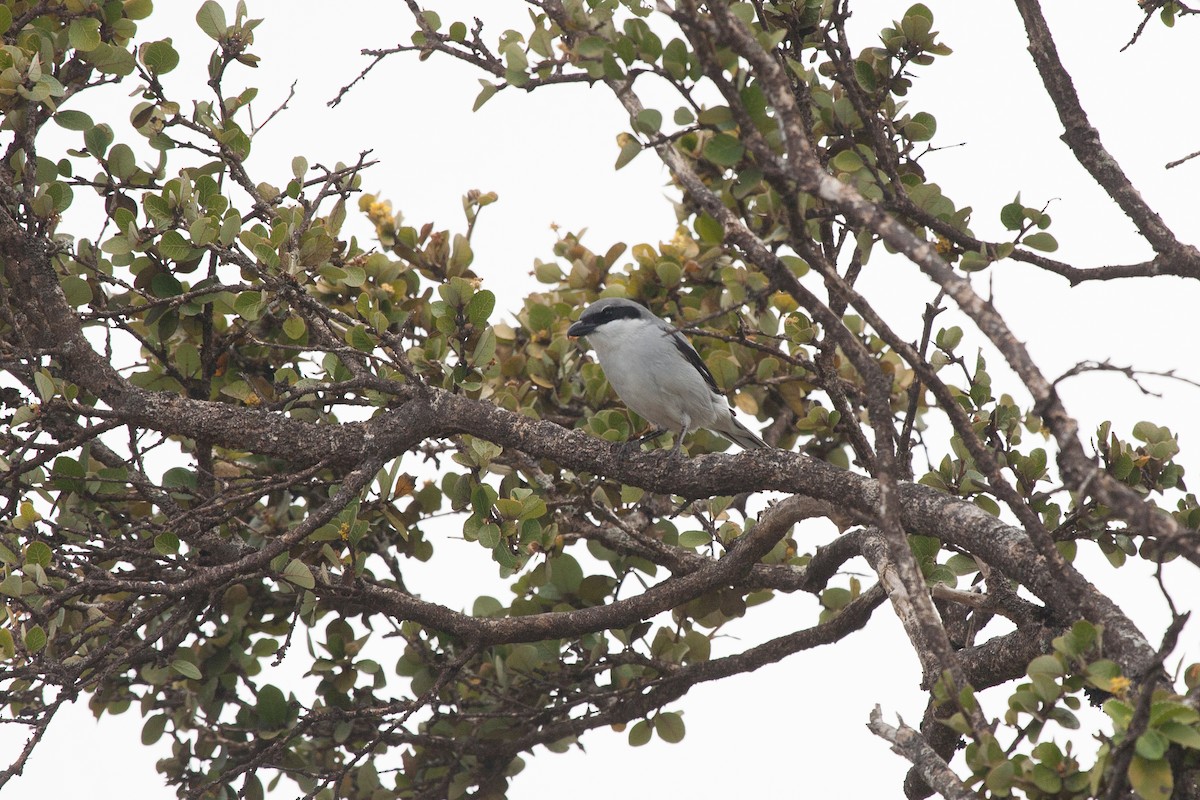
x=651, y=376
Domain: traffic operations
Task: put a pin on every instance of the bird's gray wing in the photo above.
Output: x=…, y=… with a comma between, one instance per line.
x=689, y=352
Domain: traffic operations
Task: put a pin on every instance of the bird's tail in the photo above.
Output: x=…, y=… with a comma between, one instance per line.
x=743, y=436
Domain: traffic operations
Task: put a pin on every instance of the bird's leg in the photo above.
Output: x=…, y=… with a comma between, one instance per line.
x=684, y=506
x=679, y=439
x=652, y=435
x=635, y=445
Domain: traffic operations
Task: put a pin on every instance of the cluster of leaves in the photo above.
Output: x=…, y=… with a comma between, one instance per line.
x=1037, y=767
x=176, y=589
x=245, y=294
x=236, y=292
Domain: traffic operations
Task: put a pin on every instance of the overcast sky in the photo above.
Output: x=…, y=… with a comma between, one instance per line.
x=795, y=729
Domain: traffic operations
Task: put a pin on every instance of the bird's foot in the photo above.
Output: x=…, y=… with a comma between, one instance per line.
x=677, y=450
x=630, y=447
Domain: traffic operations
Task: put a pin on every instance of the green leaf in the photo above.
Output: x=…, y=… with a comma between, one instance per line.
x=648, y=121
x=138, y=9
x=121, y=161
x=248, y=305
x=972, y=261
x=480, y=307
x=159, y=57
x=26, y=516
x=271, y=706
x=836, y=598
x=152, y=731
x=709, y=229
x=1151, y=779
x=919, y=10
x=949, y=338
x=485, y=348
x=486, y=607
x=84, y=34
x=864, y=73
x=1064, y=718
x=565, y=573
x=509, y=507
x=1146, y=431
x=669, y=727
x=211, y=19
x=1182, y=734
x=592, y=47
x=1046, y=665
x=166, y=543
x=8, y=556
x=640, y=733
x=1152, y=745
x=461, y=255
x=515, y=63
x=925, y=548
x=173, y=247
x=77, y=290
x=298, y=573
x=98, y=139
x=1047, y=779
x=485, y=93
x=724, y=150
x=431, y=19
x=1169, y=710
x=35, y=639
x=676, y=59
x=921, y=127
x=73, y=120
x=1012, y=216
x=38, y=553
x=1000, y=778
x=187, y=669
x=294, y=327
x=45, y=385
x=1041, y=241
x=846, y=161
x=489, y=535
x=11, y=586
x=112, y=59
x=630, y=149
x=358, y=338
x=203, y=231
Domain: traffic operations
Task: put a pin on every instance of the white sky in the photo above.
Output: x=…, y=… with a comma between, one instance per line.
x=795, y=729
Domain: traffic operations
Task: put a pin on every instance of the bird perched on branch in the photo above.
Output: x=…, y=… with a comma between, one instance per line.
x=657, y=373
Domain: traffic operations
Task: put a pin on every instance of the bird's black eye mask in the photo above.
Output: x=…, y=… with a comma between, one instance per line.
x=614, y=313
x=589, y=322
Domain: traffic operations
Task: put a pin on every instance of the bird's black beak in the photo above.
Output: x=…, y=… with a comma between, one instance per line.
x=580, y=328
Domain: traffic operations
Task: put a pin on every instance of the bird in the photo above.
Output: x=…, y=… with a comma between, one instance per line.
x=657, y=373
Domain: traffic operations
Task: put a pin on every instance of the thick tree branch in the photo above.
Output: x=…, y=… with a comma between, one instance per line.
x=772, y=525
x=910, y=744
x=1084, y=140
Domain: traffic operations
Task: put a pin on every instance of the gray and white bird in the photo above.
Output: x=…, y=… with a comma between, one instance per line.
x=657, y=373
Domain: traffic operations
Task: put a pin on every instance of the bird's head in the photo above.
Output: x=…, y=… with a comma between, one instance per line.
x=605, y=312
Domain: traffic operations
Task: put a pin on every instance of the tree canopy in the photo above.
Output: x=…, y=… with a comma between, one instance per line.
x=239, y=405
